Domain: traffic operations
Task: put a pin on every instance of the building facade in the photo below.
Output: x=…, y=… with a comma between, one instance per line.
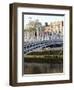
x=35, y=31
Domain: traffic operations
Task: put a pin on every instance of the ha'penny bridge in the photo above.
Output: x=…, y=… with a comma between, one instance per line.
x=32, y=46
x=47, y=64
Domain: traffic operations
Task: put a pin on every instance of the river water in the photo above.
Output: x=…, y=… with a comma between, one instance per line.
x=37, y=68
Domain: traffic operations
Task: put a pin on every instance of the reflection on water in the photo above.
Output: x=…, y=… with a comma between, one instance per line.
x=36, y=68
x=44, y=61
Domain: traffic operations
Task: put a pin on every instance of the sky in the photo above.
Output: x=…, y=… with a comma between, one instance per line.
x=42, y=18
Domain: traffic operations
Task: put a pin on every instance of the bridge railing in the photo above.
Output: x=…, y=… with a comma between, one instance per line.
x=43, y=44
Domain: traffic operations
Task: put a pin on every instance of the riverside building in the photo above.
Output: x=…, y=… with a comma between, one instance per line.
x=35, y=31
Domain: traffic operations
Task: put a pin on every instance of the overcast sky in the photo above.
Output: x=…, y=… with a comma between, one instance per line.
x=42, y=18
